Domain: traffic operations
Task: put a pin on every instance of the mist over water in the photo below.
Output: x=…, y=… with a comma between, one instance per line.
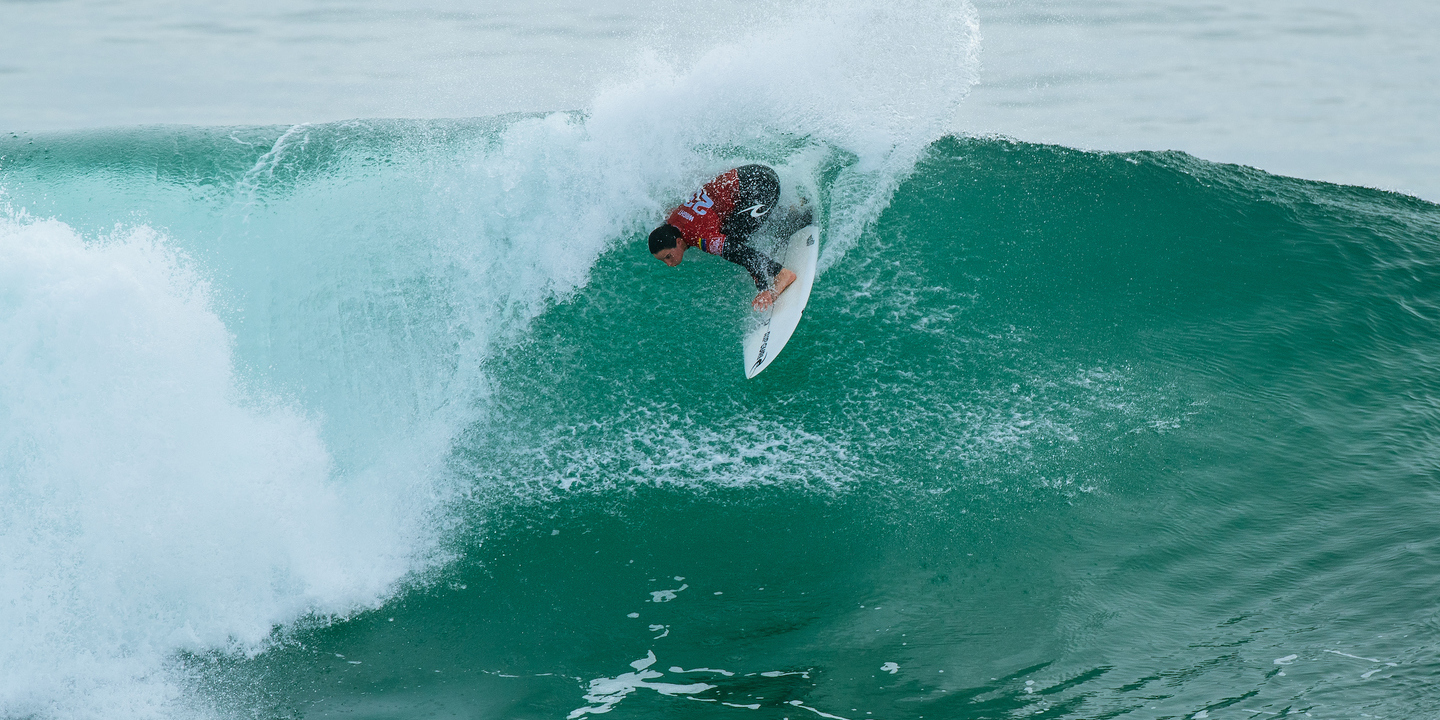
x=1320, y=89
x=393, y=418
x=1323, y=90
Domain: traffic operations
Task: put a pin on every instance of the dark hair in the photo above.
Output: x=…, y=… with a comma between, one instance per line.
x=663, y=238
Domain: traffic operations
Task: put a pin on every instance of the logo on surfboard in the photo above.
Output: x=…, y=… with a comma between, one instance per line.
x=760, y=356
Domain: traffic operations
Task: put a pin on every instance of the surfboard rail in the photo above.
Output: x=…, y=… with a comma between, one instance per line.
x=772, y=330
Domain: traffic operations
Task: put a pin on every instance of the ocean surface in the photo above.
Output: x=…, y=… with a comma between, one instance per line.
x=1322, y=89
x=398, y=419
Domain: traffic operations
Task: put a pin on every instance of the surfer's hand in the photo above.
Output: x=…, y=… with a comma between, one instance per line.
x=763, y=301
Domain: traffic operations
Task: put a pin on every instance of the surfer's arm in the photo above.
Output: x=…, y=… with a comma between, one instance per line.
x=758, y=264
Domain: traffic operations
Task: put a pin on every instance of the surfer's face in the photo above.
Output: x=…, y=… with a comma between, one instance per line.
x=671, y=256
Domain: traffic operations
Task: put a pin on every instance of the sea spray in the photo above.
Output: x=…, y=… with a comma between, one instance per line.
x=872, y=83
x=151, y=503
x=238, y=409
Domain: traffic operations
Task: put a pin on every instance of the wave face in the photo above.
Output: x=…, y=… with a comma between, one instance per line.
x=392, y=418
x=242, y=365
x=342, y=420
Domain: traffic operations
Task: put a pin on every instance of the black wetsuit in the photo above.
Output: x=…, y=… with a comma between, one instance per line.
x=723, y=215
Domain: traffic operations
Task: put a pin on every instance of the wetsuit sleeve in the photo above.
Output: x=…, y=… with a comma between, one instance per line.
x=759, y=265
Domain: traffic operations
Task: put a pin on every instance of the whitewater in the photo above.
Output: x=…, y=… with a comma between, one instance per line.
x=394, y=418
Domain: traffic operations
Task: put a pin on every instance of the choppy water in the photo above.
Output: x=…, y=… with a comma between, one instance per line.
x=397, y=419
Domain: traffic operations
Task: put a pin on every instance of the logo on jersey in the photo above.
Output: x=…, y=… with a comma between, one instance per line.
x=756, y=210
x=700, y=202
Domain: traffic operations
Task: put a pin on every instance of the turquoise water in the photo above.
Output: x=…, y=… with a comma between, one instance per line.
x=1064, y=434
x=396, y=419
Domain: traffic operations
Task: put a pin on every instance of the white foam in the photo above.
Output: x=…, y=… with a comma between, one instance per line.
x=871, y=84
x=880, y=81
x=660, y=596
x=1366, y=675
x=678, y=669
x=802, y=706
x=150, y=504
x=605, y=693
x=686, y=452
x=1357, y=657
x=156, y=501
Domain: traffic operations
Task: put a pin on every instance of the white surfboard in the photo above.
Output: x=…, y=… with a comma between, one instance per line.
x=775, y=326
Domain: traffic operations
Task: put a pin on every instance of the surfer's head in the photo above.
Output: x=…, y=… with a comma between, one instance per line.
x=665, y=244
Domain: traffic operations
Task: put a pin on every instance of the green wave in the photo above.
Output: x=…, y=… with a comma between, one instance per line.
x=1063, y=433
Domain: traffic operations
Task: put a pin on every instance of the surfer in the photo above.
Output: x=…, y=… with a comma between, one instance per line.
x=720, y=218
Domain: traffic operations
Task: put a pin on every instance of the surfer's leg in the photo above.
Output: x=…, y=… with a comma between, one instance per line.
x=758, y=264
x=754, y=200
x=759, y=183
x=794, y=218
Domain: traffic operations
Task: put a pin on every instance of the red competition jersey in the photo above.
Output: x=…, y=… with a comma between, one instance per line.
x=699, y=220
